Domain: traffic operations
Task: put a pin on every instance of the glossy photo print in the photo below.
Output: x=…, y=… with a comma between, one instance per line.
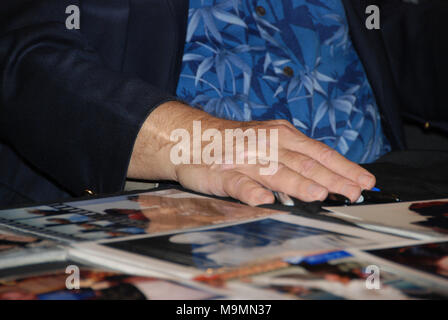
x=431, y=258
x=20, y=247
x=28, y=213
x=421, y=220
x=129, y=215
x=341, y=275
x=97, y=285
x=436, y=214
x=238, y=244
x=10, y=241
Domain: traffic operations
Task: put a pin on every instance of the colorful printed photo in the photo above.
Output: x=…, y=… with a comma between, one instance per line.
x=98, y=285
x=238, y=244
x=340, y=275
x=146, y=213
x=431, y=257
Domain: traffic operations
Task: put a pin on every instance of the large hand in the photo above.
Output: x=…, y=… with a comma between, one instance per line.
x=306, y=169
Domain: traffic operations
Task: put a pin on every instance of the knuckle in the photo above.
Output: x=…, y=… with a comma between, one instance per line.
x=326, y=155
x=305, y=143
x=283, y=122
x=217, y=186
x=238, y=181
x=286, y=157
x=212, y=184
x=280, y=169
x=282, y=128
x=307, y=166
x=271, y=180
x=228, y=184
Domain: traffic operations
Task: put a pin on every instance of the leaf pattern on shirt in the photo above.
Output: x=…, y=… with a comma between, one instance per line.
x=295, y=62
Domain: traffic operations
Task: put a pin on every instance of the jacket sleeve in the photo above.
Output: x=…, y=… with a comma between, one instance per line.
x=61, y=108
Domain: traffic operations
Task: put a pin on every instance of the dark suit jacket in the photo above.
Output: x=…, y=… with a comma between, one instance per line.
x=415, y=37
x=73, y=101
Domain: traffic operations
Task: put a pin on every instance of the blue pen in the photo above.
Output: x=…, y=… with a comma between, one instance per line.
x=361, y=197
x=377, y=196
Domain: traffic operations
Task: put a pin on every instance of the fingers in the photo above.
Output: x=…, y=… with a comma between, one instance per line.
x=240, y=186
x=307, y=170
x=288, y=181
x=224, y=183
x=331, y=159
x=314, y=170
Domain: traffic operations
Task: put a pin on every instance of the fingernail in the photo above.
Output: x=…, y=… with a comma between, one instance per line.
x=284, y=199
x=366, y=181
x=316, y=191
x=351, y=191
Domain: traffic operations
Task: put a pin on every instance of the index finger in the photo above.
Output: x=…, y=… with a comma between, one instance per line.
x=331, y=159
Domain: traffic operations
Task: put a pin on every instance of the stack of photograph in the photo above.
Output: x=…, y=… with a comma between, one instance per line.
x=171, y=244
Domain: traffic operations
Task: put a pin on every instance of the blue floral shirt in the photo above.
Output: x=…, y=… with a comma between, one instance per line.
x=290, y=59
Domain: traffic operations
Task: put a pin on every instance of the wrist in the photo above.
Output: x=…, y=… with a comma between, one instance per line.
x=150, y=158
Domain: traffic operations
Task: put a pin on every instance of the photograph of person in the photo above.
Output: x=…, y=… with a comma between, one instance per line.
x=431, y=257
x=142, y=214
x=9, y=241
x=436, y=213
x=29, y=213
x=342, y=278
x=96, y=285
x=234, y=245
